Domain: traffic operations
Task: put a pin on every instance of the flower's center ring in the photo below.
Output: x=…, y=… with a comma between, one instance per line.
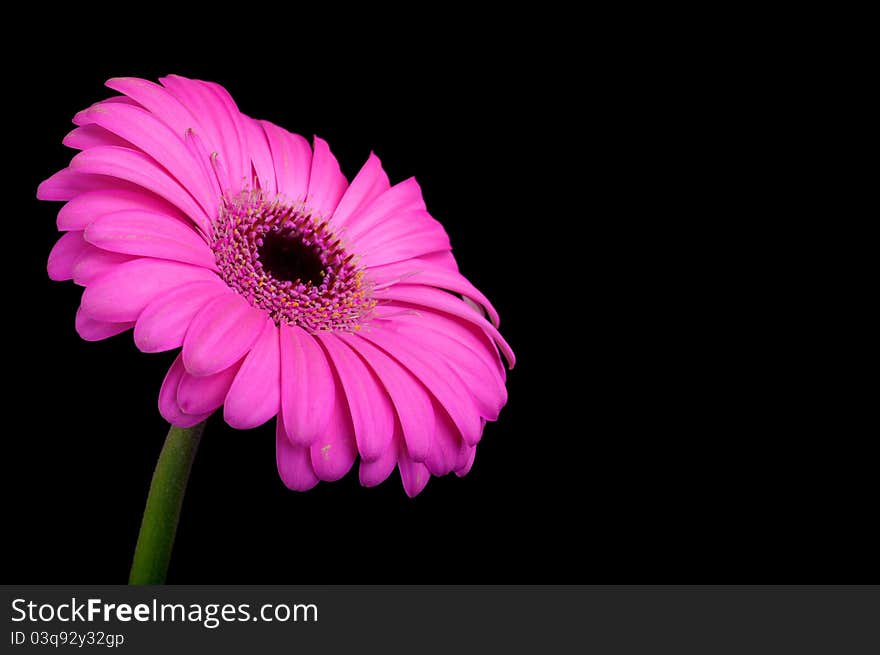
x=284, y=259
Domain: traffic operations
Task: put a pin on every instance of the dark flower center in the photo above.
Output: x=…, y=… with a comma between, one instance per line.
x=286, y=260
x=286, y=257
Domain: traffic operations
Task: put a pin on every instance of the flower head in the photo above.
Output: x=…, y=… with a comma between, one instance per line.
x=335, y=308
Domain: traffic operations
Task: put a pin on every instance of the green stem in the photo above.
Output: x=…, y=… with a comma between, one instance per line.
x=159, y=525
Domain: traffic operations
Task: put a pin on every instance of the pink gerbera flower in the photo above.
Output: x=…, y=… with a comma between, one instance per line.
x=335, y=308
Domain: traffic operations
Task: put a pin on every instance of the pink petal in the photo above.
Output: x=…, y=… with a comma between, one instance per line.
x=404, y=236
x=63, y=185
x=414, y=475
x=465, y=464
x=477, y=374
x=150, y=234
x=122, y=293
x=449, y=304
x=255, y=396
x=404, y=317
x=292, y=159
x=335, y=450
x=420, y=271
x=81, y=117
x=307, y=386
x=236, y=121
x=372, y=473
x=443, y=259
x=158, y=100
x=92, y=136
x=94, y=262
x=137, y=168
x=208, y=163
x=372, y=413
x=68, y=183
x=64, y=256
x=294, y=462
x=411, y=400
x=435, y=375
x=447, y=446
x=142, y=129
x=92, y=330
x=86, y=207
x=217, y=115
x=168, y=407
x=221, y=334
x=202, y=395
x=403, y=197
x=326, y=181
x=163, y=323
x=261, y=155
x=370, y=182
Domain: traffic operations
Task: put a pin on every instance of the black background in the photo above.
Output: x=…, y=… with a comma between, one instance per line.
x=644, y=441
